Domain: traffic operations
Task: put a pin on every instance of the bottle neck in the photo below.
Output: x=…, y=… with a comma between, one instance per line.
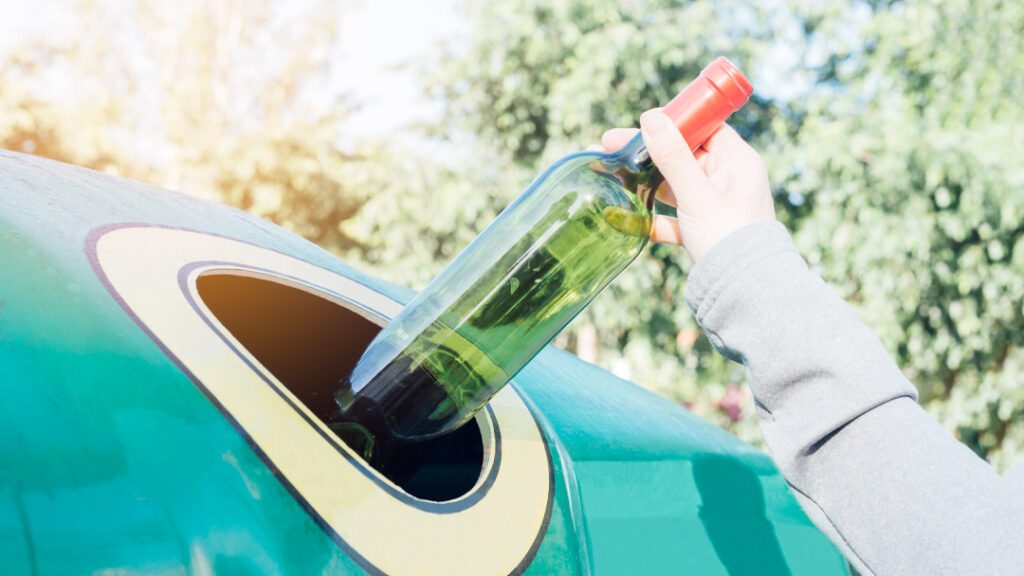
x=635, y=156
x=637, y=171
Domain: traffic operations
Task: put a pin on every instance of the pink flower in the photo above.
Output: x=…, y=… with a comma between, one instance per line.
x=730, y=402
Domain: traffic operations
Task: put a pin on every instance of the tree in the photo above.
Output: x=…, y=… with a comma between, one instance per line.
x=542, y=79
x=200, y=97
x=895, y=150
x=908, y=165
x=890, y=129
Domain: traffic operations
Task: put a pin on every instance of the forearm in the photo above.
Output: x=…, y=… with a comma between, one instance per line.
x=870, y=466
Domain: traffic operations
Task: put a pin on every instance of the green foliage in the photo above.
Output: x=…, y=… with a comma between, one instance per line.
x=543, y=79
x=217, y=112
x=892, y=132
x=420, y=214
x=911, y=165
x=293, y=176
x=32, y=125
x=895, y=150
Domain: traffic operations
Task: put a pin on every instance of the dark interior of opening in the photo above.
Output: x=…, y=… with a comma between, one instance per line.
x=309, y=343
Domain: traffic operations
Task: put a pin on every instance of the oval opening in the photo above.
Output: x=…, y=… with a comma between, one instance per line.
x=309, y=342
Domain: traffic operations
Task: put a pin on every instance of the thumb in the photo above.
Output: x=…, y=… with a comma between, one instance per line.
x=672, y=155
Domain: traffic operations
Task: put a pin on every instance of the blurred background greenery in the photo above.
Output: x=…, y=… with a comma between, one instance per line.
x=893, y=133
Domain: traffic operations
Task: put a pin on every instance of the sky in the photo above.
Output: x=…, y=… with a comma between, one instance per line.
x=22, y=18
x=377, y=55
x=376, y=62
x=378, y=59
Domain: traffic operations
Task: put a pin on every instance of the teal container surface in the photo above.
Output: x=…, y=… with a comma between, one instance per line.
x=139, y=436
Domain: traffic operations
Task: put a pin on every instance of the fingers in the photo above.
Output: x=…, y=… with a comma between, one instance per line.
x=724, y=140
x=701, y=155
x=665, y=194
x=665, y=230
x=706, y=161
x=616, y=138
x=670, y=151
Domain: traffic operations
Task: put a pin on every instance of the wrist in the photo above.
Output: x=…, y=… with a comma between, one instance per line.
x=739, y=253
x=699, y=242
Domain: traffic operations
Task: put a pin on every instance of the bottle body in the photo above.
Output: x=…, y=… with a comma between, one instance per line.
x=505, y=296
x=575, y=228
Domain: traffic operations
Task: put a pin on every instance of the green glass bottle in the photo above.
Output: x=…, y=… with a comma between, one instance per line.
x=544, y=258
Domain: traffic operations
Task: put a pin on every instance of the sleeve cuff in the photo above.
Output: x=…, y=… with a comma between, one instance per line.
x=732, y=258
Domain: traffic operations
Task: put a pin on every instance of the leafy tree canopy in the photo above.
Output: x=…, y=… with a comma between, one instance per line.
x=891, y=129
x=894, y=141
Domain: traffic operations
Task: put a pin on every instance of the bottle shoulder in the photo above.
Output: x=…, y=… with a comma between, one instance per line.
x=610, y=177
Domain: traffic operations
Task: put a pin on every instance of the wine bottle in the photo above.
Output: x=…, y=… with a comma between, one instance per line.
x=544, y=258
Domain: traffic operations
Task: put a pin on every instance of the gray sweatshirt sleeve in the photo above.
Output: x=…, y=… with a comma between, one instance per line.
x=891, y=487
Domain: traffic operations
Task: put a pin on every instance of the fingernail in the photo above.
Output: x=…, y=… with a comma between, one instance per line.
x=654, y=122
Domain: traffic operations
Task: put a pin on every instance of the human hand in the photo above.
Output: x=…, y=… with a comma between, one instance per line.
x=716, y=191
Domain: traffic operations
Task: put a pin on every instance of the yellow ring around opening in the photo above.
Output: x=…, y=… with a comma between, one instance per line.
x=492, y=535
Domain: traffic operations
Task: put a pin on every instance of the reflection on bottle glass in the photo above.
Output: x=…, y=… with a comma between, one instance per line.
x=517, y=285
x=499, y=302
